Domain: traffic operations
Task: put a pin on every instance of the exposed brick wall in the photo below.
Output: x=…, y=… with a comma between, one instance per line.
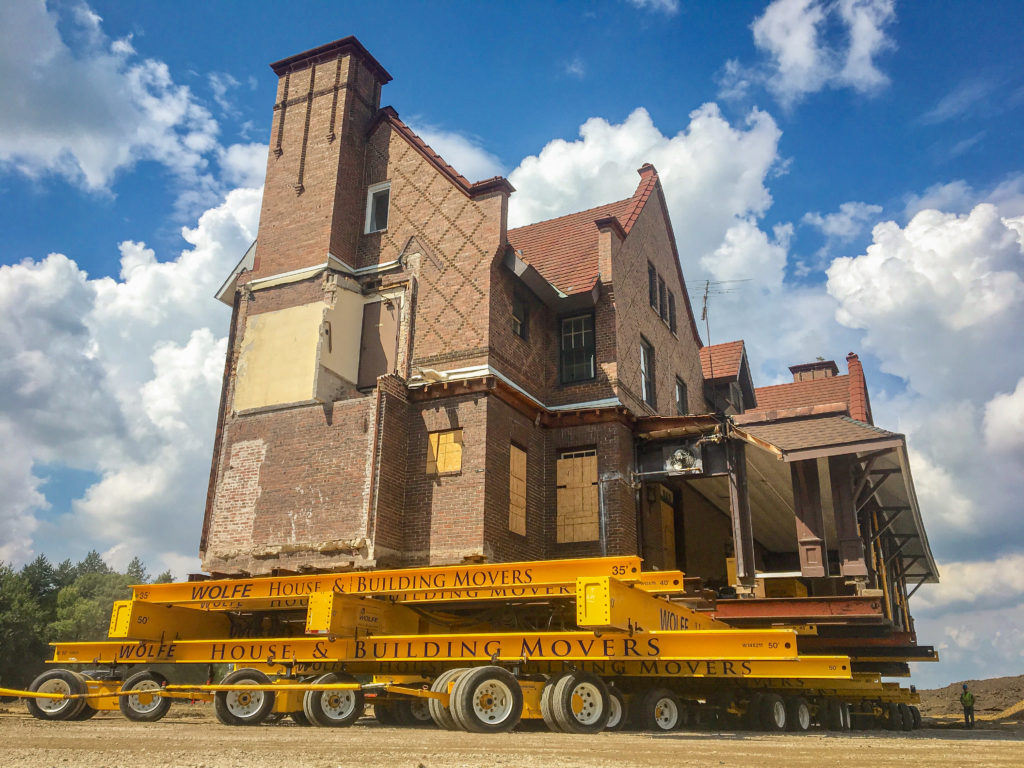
x=391, y=470
x=444, y=516
x=531, y=362
x=462, y=236
x=310, y=197
x=674, y=355
x=506, y=425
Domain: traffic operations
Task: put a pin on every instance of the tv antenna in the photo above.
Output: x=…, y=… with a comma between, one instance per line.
x=715, y=288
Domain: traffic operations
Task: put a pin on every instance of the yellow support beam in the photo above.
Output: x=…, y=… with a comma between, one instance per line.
x=332, y=613
x=604, y=602
x=735, y=644
x=139, y=620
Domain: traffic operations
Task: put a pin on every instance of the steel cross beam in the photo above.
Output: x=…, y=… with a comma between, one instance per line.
x=734, y=644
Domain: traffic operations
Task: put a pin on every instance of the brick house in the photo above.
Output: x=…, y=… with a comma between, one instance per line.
x=408, y=381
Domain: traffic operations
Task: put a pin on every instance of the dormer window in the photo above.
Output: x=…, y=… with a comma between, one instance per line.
x=378, y=199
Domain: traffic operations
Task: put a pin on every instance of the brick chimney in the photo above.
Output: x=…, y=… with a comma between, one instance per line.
x=313, y=197
x=820, y=369
x=860, y=405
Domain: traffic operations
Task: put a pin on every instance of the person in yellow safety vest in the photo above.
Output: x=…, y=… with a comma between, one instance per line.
x=967, y=702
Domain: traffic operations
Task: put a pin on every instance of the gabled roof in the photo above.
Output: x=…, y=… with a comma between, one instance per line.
x=722, y=361
x=564, y=250
x=470, y=189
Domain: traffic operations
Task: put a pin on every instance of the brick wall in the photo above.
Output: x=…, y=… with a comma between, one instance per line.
x=444, y=516
x=674, y=354
x=460, y=235
x=310, y=198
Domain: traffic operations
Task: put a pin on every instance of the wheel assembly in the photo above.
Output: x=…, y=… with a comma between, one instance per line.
x=414, y=713
x=915, y=713
x=243, y=707
x=546, y=710
x=798, y=714
x=487, y=700
x=439, y=713
x=333, y=709
x=579, y=702
x=59, y=681
x=618, y=710
x=146, y=705
x=659, y=710
x=773, y=713
x=906, y=717
x=893, y=717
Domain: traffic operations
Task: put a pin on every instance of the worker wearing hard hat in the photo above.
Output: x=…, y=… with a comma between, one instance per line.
x=967, y=702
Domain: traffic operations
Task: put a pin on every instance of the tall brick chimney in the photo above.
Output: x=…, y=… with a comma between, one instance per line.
x=860, y=405
x=313, y=197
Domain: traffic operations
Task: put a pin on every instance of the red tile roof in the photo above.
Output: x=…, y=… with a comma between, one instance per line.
x=835, y=389
x=726, y=359
x=389, y=115
x=564, y=250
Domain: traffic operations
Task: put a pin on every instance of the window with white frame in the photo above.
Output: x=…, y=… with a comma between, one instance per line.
x=378, y=201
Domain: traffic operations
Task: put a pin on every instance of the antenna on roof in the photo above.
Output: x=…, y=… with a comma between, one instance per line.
x=715, y=288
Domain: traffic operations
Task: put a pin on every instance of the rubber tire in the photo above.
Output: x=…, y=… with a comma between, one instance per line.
x=915, y=713
x=561, y=703
x=76, y=685
x=241, y=677
x=546, y=710
x=313, y=703
x=752, y=717
x=616, y=698
x=124, y=705
x=845, y=715
x=384, y=713
x=299, y=718
x=894, y=718
x=832, y=716
x=407, y=714
x=465, y=691
x=441, y=714
x=646, y=714
x=906, y=717
x=772, y=709
x=797, y=706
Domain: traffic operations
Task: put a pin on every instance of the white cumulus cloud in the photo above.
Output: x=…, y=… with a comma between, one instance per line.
x=810, y=45
x=464, y=153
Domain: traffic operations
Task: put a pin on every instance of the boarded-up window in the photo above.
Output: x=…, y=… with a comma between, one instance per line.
x=444, y=452
x=517, y=490
x=577, y=498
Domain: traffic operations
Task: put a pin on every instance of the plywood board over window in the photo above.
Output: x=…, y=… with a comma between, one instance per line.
x=444, y=452
x=577, y=496
x=517, y=490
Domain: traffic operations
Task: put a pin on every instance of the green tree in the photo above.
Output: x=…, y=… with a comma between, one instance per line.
x=84, y=607
x=164, y=578
x=22, y=621
x=92, y=563
x=136, y=571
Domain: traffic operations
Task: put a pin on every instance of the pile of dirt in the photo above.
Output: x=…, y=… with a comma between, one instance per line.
x=991, y=697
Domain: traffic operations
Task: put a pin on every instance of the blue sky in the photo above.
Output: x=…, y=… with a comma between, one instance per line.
x=859, y=162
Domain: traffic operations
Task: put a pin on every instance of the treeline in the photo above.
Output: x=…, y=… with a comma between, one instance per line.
x=44, y=603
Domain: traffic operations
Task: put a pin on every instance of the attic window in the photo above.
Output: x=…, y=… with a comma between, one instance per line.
x=378, y=199
x=520, y=316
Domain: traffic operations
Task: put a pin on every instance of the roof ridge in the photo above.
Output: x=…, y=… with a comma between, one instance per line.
x=574, y=213
x=648, y=181
x=807, y=381
x=431, y=155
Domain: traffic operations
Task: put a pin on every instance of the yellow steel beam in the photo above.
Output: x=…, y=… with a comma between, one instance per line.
x=332, y=613
x=140, y=620
x=806, y=668
x=735, y=644
x=604, y=602
x=497, y=579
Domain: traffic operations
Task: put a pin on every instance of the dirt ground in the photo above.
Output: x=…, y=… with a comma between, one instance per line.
x=186, y=739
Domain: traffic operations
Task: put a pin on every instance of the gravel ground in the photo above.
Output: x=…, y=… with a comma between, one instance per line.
x=193, y=739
